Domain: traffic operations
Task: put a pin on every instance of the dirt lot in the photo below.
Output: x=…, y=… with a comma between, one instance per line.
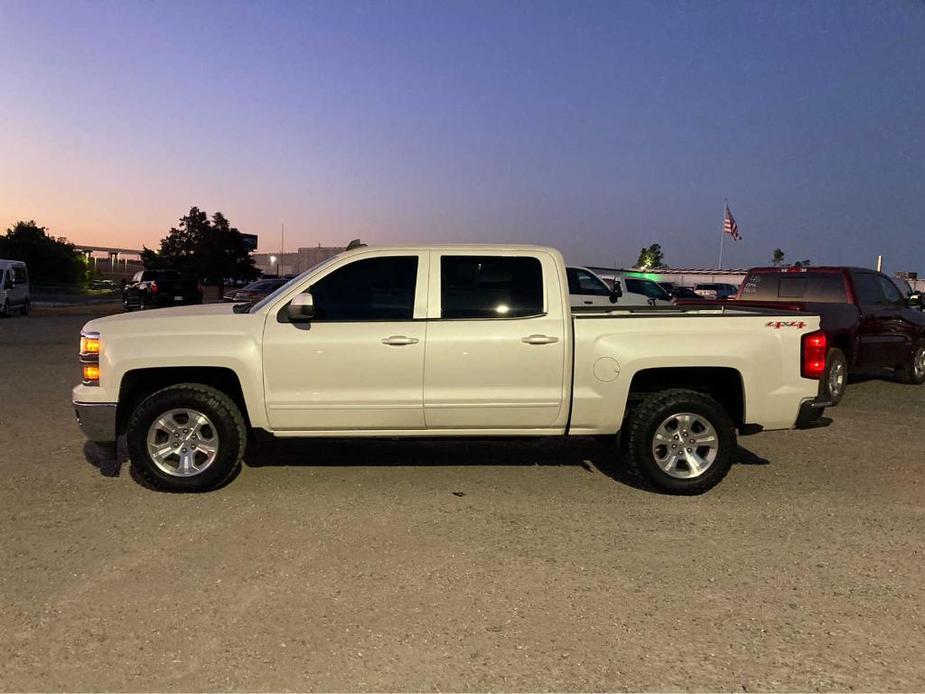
x=458, y=565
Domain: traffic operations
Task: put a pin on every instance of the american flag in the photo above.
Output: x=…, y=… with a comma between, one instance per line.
x=729, y=225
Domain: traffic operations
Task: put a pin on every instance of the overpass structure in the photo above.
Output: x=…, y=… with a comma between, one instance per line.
x=114, y=260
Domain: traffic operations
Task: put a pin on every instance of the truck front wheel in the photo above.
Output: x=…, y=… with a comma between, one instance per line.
x=835, y=377
x=681, y=441
x=186, y=437
x=914, y=371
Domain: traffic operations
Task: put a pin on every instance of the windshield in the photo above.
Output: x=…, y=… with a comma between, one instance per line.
x=646, y=287
x=270, y=298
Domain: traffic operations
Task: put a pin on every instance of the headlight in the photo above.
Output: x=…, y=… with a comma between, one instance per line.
x=90, y=358
x=89, y=344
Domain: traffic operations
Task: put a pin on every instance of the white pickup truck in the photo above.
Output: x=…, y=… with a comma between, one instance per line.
x=468, y=340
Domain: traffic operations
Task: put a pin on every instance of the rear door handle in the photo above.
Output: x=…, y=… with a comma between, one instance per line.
x=539, y=339
x=399, y=340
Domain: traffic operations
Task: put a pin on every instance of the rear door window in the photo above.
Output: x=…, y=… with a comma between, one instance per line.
x=478, y=286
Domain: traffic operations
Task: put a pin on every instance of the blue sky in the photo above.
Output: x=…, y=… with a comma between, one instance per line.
x=594, y=127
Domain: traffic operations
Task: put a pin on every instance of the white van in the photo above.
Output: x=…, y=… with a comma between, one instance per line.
x=14, y=288
x=587, y=288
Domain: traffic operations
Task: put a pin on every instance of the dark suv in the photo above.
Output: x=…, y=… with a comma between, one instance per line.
x=156, y=288
x=868, y=322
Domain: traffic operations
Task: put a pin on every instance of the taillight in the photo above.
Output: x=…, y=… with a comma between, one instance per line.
x=812, y=358
x=90, y=358
x=153, y=287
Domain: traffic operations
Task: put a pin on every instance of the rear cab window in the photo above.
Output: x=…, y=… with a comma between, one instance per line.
x=809, y=287
x=490, y=287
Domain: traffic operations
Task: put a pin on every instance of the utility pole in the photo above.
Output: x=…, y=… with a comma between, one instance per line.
x=282, y=246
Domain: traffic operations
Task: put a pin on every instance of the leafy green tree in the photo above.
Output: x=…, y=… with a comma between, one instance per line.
x=803, y=263
x=777, y=258
x=50, y=260
x=651, y=257
x=213, y=250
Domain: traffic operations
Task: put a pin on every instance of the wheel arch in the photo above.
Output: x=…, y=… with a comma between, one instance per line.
x=845, y=343
x=138, y=384
x=724, y=384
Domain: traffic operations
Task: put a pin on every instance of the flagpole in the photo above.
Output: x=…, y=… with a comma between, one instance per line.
x=722, y=232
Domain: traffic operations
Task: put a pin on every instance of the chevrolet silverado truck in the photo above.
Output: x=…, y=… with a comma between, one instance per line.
x=445, y=341
x=867, y=321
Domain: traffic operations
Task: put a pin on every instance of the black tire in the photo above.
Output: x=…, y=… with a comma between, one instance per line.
x=913, y=372
x=142, y=304
x=646, y=419
x=834, y=379
x=5, y=309
x=228, y=422
x=26, y=308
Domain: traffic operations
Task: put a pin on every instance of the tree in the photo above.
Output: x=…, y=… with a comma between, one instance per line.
x=213, y=250
x=651, y=257
x=777, y=259
x=50, y=260
x=802, y=263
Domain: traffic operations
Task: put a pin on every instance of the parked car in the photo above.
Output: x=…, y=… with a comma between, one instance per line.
x=102, y=284
x=15, y=293
x=158, y=288
x=444, y=341
x=716, y=290
x=255, y=291
x=867, y=321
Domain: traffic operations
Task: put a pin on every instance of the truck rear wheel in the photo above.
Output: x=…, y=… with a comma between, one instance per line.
x=835, y=377
x=186, y=437
x=681, y=441
x=914, y=371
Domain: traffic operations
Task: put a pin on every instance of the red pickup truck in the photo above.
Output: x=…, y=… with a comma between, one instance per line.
x=868, y=322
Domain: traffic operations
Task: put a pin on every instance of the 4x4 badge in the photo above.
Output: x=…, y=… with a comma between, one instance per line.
x=778, y=324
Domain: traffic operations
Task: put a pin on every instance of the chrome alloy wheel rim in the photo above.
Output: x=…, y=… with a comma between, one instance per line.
x=918, y=363
x=182, y=442
x=836, y=379
x=685, y=445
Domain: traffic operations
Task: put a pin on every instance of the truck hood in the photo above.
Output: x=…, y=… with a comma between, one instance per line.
x=178, y=318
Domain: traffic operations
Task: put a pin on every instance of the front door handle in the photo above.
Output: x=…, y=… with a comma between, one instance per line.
x=539, y=339
x=399, y=340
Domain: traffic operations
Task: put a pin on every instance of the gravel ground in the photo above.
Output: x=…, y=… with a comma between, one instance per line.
x=457, y=565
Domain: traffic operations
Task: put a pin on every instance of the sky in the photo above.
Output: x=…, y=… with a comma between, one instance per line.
x=595, y=127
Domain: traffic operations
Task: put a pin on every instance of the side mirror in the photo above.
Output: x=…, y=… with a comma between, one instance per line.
x=616, y=292
x=915, y=300
x=301, y=308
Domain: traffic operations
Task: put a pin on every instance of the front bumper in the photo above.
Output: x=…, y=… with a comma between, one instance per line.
x=97, y=420
x=810, y=415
